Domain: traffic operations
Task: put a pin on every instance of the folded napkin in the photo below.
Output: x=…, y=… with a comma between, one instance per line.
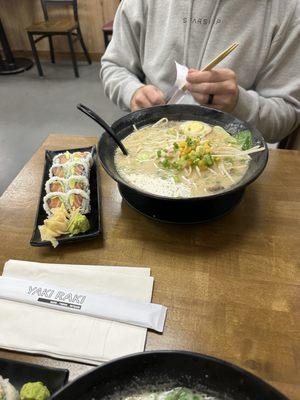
x=82, y=338
x=178, y=95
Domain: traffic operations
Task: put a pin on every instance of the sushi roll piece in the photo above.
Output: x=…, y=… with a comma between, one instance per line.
x=78, y=200
x=83, y=156
x=62, y=158
x=78, y=182
x=58, y=170
x=78, y=168
x=7, y=390
x=55, y=200
x=56, y=184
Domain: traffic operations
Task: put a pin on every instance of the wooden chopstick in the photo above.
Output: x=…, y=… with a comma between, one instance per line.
x=217, y=60
x=214, y=62
x=220, y=57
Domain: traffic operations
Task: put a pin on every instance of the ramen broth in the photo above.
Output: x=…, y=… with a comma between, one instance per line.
x=174, y=394
x=182, y=159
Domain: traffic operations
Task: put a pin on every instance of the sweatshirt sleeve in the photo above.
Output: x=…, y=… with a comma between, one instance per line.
x=121, y=70
x=273, y=106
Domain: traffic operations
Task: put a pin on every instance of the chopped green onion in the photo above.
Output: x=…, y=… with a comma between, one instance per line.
x=189, y=141
x=143, y=157
x=244, y=139
x=208, y=160
x=166, y=163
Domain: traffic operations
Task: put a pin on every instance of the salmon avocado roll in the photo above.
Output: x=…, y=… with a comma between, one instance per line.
x=55, y=200
x=78, y=182
x=78, y=168
x=58, y=170
x=56, y=184
x=78, y=200
x=62, y=158
x=85, y=156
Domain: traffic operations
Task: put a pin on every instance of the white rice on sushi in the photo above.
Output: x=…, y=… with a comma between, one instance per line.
x=56, y=184
x=7, y=390
x=54, y=200
x=78, y=182
x=78, y=168
x=85, y=156
x=78, y=200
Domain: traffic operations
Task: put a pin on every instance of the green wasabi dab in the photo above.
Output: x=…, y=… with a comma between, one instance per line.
x=34, y=391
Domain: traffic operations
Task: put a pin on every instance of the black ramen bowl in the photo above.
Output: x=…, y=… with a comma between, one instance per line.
x=164, y=370
x=181, y=210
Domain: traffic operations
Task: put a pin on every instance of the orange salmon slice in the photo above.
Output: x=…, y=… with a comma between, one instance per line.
x=79, y=185
x=56, y=187
x=54, y=202
x=63, y=159
x=77, y=201
x=58, y=171
x=79, y=169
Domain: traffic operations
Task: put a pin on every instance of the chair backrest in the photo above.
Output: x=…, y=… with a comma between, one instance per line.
x=47, y=3
x=291, y=142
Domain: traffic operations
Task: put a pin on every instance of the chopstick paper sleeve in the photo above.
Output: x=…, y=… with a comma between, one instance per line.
x=147, y=315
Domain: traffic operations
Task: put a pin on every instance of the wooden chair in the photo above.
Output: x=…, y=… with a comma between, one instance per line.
x=291, y=142
x=58, y=26
x=107, y=30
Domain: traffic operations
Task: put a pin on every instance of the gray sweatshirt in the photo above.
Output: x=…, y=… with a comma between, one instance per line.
x=150, y=35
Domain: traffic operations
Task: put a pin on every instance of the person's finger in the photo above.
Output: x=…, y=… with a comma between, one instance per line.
x=200, y=98
x=142, y=101
x=215, y=75
x=227, y=87
x=222, y=100
x=154, y=96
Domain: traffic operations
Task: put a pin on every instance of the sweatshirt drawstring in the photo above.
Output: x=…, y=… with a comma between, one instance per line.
x=207, y=35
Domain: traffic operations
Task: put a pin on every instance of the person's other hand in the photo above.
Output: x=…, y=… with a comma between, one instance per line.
x=221, y=83
x=147, y=96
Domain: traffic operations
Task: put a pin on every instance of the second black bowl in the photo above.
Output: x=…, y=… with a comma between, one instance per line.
x=164, y=370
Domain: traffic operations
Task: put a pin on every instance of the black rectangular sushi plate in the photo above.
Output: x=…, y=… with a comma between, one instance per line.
x=19, y=372
x=94, y=216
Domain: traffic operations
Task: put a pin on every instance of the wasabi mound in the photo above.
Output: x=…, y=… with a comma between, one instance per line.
x=34, y=391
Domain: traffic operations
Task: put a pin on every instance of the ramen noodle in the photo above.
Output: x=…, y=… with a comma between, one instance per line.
x=184, y=159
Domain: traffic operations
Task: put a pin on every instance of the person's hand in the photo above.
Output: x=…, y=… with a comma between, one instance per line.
x=221, y=83
x=147, y=96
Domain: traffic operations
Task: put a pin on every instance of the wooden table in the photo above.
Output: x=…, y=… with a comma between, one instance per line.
x=232, y=287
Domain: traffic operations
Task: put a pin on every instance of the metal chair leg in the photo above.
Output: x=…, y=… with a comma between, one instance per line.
x=51, y=49
x=35, y=54
x=73, y=54
x=83, y=46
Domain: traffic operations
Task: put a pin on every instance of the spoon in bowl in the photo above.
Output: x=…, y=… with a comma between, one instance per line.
x=87, y=111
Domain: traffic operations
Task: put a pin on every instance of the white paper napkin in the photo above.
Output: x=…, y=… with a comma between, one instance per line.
x=70, y=336
x=180, y=96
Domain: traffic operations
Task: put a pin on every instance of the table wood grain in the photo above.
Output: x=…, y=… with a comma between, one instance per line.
x=232, y=287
